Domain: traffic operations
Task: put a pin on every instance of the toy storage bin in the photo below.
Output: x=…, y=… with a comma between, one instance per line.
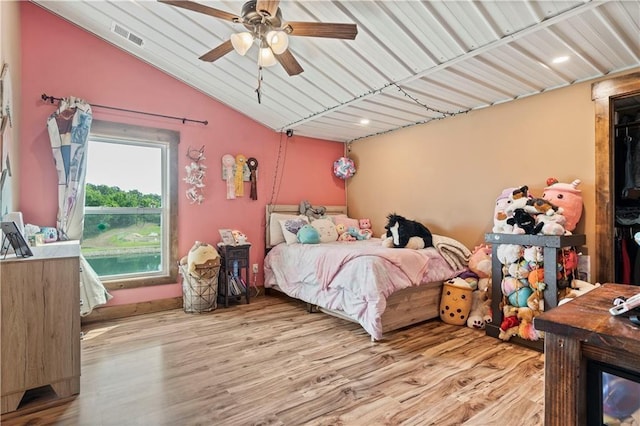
x=200, y=294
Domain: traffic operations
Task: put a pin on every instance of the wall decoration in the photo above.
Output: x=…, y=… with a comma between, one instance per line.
x=195, y=175
x=241, y=163
x=252, y=163
x=235, y=172
x=344, y=168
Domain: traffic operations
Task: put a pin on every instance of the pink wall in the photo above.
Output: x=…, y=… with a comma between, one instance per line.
x=62, y=60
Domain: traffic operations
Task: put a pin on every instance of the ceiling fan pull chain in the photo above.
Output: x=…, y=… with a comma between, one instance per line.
x=259, y=88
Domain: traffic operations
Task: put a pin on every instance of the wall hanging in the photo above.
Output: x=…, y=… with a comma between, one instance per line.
x=252, y=163
x=235, y=172
x=195, y=175
x=344, y=168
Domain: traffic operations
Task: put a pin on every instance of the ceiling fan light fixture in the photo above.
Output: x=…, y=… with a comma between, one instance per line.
x=278, y=40
x=241, y=42
x=266, y=58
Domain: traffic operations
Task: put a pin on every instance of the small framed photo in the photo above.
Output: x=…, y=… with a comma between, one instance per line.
x=227, y=237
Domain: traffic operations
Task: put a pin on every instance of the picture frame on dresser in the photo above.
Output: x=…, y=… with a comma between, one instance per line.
x=12, y=235
x=227, y=237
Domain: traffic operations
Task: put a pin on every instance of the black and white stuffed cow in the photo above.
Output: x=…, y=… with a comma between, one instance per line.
x=402, y=232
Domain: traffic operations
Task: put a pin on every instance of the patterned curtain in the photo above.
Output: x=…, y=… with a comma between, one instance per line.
x=69, y=132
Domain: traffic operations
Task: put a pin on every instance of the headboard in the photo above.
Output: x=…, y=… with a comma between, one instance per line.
x=291, y=209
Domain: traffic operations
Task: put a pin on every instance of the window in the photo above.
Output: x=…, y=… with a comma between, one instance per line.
x=129, y=234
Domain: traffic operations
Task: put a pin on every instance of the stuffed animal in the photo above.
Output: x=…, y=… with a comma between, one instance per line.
x=480, y=261
x=365, y=227
x=312, y=212
x=343, y=235
x=510, y=323
x=480, y=314
x=524, y=223
x=500, y=212
x=455, y=303
x=509, y=253
x=552, y=224
x=525, y=328
x=308, y=235
x=517, y=200
x=402, y=232
x=566, y=196
x=201, y=255
x=357, y=233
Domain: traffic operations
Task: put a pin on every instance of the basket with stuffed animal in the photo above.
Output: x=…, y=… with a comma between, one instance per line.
x=200, y=272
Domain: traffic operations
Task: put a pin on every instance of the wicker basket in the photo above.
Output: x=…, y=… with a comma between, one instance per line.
x=200, y=294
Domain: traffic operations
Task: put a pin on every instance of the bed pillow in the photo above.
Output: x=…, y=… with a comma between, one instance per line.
x=346, y=221
x=290, y=228
x=326, y=229
x=276, y=235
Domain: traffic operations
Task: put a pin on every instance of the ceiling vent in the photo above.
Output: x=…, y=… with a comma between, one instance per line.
x=125, y=33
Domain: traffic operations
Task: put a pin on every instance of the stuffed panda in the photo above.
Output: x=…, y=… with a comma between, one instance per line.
x=402, y=232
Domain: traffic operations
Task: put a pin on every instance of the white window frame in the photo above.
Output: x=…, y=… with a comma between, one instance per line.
x=168, y=141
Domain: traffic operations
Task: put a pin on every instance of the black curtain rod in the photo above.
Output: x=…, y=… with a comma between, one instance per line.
x=184, y=120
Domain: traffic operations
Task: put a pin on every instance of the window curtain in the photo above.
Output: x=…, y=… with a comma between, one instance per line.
x=69, y=133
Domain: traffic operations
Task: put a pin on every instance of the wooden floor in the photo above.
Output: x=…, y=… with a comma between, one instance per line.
x=272, y=363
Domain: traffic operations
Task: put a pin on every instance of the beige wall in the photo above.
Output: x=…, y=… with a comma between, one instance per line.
x=447, y=174
x=10, y=54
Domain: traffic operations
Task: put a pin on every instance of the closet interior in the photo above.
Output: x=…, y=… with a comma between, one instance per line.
x=626, y=194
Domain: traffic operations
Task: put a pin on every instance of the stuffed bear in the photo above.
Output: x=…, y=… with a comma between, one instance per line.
x=526, y=329
x=365, y=227
x=402, y=232
x=480, y=314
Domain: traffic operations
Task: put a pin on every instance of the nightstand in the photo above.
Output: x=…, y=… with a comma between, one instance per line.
x=234, y=262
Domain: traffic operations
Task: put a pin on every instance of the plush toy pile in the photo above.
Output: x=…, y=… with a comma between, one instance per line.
x=523, y=281
x=556, y=213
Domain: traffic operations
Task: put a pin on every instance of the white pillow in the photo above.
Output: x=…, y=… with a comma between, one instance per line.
x=290, y=228
x=326, y=229
x=275, y=230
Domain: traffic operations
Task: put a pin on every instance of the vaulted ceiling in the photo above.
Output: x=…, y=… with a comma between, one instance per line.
x=411, y=62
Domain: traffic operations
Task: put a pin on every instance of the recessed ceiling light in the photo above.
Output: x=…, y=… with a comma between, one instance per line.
x=364, y=121
x=560, y=59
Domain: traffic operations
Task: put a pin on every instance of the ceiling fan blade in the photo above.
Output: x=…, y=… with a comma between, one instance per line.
x=268, y=6
x=323, y=29
x=217, y=52
x=289, y=63
x=197, y=7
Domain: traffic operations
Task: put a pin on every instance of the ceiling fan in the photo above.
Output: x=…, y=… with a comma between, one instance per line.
x=263, y=20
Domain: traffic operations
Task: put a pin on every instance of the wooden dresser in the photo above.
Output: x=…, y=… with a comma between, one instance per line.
x=577, y=332
x=40, y=328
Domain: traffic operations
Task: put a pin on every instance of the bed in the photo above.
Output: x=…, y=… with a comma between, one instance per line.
x=380, y=288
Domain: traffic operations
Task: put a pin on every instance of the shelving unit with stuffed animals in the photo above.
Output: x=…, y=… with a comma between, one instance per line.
x=534, y=258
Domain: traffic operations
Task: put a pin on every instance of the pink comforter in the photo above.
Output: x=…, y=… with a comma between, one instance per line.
x=353, y=277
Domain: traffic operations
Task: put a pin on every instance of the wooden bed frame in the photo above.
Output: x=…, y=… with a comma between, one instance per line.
x=405, y=307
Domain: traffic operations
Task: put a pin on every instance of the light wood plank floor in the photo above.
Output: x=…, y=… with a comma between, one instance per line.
x=272, y=363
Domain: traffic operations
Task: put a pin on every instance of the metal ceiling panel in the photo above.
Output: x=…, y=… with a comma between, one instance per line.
x=411, y=62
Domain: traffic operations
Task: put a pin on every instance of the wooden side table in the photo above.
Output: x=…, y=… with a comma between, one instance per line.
x=229, y=255
x=577, y=332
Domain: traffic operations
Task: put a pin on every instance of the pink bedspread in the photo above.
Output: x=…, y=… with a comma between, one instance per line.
x=353, y=277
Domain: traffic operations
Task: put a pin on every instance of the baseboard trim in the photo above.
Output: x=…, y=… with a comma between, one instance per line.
x=106, y=313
